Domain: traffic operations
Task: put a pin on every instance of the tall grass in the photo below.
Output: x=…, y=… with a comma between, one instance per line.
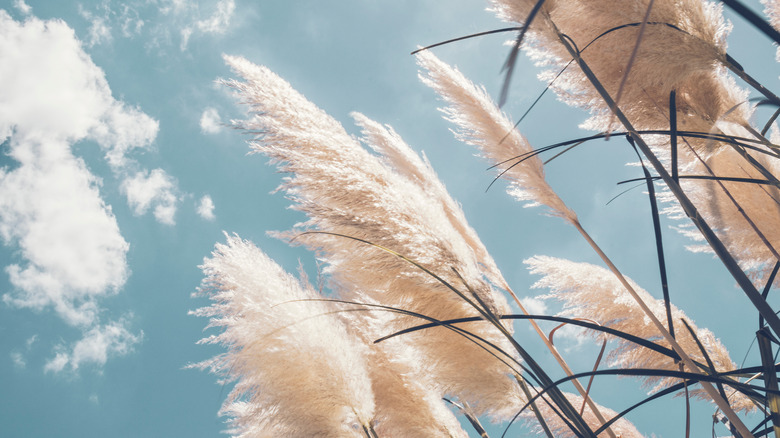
x=416, y=326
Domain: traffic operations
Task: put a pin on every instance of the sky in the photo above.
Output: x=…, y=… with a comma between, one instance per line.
x=119, y=173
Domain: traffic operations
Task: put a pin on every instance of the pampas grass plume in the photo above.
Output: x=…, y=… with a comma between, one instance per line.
x=297, y=369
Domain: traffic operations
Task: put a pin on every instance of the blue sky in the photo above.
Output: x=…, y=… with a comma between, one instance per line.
x=118, y=176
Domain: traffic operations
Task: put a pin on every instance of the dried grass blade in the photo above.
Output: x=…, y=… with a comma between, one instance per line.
x=770, y=377
x=753, y=19
x=673, y=134
x=586, y=396
x=473, y=35
x=463, y=409
x=511, y=60
x=659, y=244
x=770, y=281
x=770, y=121
x=561, y=319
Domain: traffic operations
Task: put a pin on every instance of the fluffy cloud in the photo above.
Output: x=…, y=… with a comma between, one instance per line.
x=155, y=188
x=95, y=347
x=22, y=7
x=210, y=122
x=73, y=250
x=70, y=249
x=206, y=208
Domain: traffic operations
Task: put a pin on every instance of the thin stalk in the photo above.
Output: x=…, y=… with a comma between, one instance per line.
x=737, y=69
x=673, y=134
x=537, y=413
x=770, y=378
x=565, y=366
x=466, y=411
x=687, y=405
x=690, y=209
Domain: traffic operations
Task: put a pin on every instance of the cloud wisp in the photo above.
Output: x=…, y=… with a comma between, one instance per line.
x=206, y=208
x=210, y=121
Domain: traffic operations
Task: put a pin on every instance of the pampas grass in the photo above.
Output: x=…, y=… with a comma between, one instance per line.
x=297, y=370
x=412, y=325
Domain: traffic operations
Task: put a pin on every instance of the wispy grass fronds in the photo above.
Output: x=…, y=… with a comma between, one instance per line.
x=592, y=292
x=745, y=215
x=406, y=162
x=297, y=370
x=682, y=45
x=772, y=11
x=407, y=402
x=346, y=190
x=482, y=124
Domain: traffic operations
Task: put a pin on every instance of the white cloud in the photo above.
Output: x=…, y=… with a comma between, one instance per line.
x=99, y=28
x=217, y=23
x=95, y=347
x=175, y=6
x=130, y=22
x=210, y=121
x=220, y=20
x=99, y=32
x=18, y=360
x=206, y=208
x=123, y=129
x=74, y=251
x=22, y=7
x=186, y=33
x=57, y=364
x=69, y=247
x=534, y=306
x=155, y=188
x=164, y=20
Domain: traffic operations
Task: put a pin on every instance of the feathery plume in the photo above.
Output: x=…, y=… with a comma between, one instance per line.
x=682, y=45
x=297, y=370
x=772, y=11
x=682, y=49
x=407, y=404
x=746, y=215
x=402, y=159
x=482, y=124
x=592, y=292
x=345, y=190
